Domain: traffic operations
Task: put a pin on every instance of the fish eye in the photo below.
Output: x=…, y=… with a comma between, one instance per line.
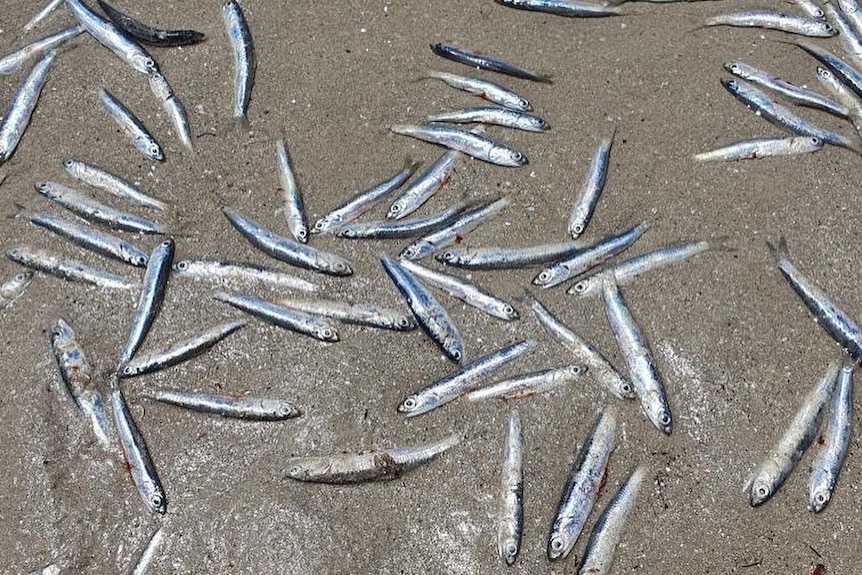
x=127, y=370
x=447, y=256
x=828, y=27
x=21, y=277
x=182, y=266
x=157, y=501
x=15, y=252
x=154, y=150
x=544, y=277
x=403, y=322
x=814, y=141
x=295, y=470
x=409, y=252
x=517, y=156
x=820, y=497
x=627, y=389
x=508, y=310
x=42, y=186
x=339, y=266
x=326, y=333
x=557, y=543
x=396, y=207
x=456, y=355
x=511, y=549
x=664, y=418
x=409, y=403
x=580, y=287
x=318, y=225
x=578, y=229
x=68, y=163
x=762, y=491
x=524, y=103
x=575, y=369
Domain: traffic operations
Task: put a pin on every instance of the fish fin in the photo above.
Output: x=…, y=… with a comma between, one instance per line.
x=411, y=164
x=779, y=251
x=243, y=124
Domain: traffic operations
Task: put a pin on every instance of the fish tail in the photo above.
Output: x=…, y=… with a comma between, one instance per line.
x=411, y=165
x=780, y=251
x=242, y=123
x=720, y=244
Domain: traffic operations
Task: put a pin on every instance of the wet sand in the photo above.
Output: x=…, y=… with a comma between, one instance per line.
x=736, y=347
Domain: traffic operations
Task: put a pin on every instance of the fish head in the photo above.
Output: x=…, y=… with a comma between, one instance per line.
x=452, y=257
x=411, y=252
x=507, y=157
x=540, y=124
x=403, y=323
x=145, y=64
x=507, y=312
x=324, y=224
x=508, y=550
x=818, y=498
x=396, y=209
x=737, y=69
x=326, y=334
x=576, y=370
x=297, y=471
x=585, y=287
x=416, y=404
x=559, y=545
x=546, y=277
x=150, y=149
x=661, y=418
x=133, y=256
x=826, y=28
x=762, y=486
x=61, y=333
x=337, y=266
x=154, y=498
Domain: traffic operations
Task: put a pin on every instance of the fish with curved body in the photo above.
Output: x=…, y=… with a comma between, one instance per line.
x=98, y=178
x=17, y=116
x=774, y=20
x=757, y=148
x=834, y=320
x=92, y=239
x=141, y=139
x=228, y=272
x=568, y=8
x=497, y=258
x=591, y=190
x=510, y=514
x=46, y=11
x=451, y=387
x=495, y=116
x=589, y=257
x=249, y=409
x=405, y=229
x=10, y=63
x=76, y=370
x=849, y=75
x=607, y=532
x=582, y=351
x=243, y=54
x=850, y=10
x=465, y=291
x=374, y=465
x=490, y=91
x=281, y=316
x=364, y=201
x=629, y=269
x=294, y=209
x=582, y=489
x=773, y=471
x=477, y=60
x=465, y=223
x=811, y=8
x=83, y=205
x=528, y=384
x=644, y=375
x=836, y=440
x=67, y=269
x=424, y=186
x=843, y=94
x=113, y=38
x=14, y=287
x=432, y=317
x=470, y=143
x=286, y=250
x=173, y=108
x=148, y=34
x=179, y=351
x=357, y=314
x=849, y=37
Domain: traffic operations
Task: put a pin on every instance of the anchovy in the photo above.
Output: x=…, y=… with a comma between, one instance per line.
x=772, y=471
x=510, y=517
x=14, y=287
x=629, y=269
x=228, y=272
x=250, y=409
x=757, y=148
x=850, y=10
x=496, y=258
x=148, y=555
x=281, y=316
x=465, y=291
x=834, y=320
x=150, y=301
x=365, y=466
x=389, y=230
x=89, y=209
x=844, y=71
x=472, y=144
x=46, y=11
x=528, y=384
x=495, y=116
x=148, y=34
x=850, y=40
x=293, y=206
x=72, y=270
x=113, y=38
x=843, y=94
x=180, y=351
x=490, y=91
x=443, y=237
x=812, y=9
x=92, y=405
x=136, y=455
x=589, y=257
x=17, y=116
x=424, y=186
x=287, y=250
x=98, y=178
x=568, y=8
x=243, y=55
x=773, y=20
x=591, y=190
x=795, y=94
x=364, y=201
x=836, y=440
x=359, y=314
x=643, y=372
x=93, y=239
x=781, y=117
x=484, y=62
x=451, y=387
x=11, y=63
x=582, y=351
x=607, y=532
x=174, y=109
x=76, y=370
x=141, y=138
x=431, y=316
x=583, y=486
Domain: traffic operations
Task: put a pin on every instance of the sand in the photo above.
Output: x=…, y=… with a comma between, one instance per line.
x=736, y=347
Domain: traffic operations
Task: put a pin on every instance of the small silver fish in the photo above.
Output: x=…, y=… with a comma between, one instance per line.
x=844, y=71
x=141, y=138
x=756, y=148
x=17, y=116
x=148, y=555
x=293, y=205
x=249, y=409
x=10, y=63
x=774, y=20
x=496, y=258
x=76, y=370
x=591, y=190
x=451, y=387
x=359, y=314
x=849, y=37
x=477, y=60
x=389, y=230
x=528, y=384
x=230, y=272
x=243, y=54
x=14, y=287
x=98, y=178
x=495, y=116
x=281, y=316
x=46, y=11
x=365, y=466
x=568, y=8
x=72, y=270
x=174, y=109
x=510, y=516
x=474, y=145
x=771, y=473
x=812, y=9
x=424, y=186
x=843, y=94
x=836, y=440
x=92, y=239
x=484, y=89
